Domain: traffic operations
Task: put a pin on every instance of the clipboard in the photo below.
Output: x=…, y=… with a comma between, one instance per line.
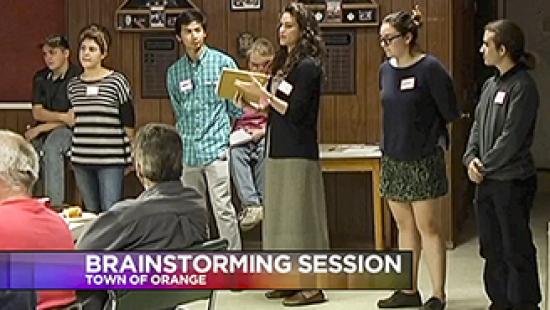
x=226, y=84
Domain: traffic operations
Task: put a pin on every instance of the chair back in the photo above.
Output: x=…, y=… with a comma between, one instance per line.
x=161, y=300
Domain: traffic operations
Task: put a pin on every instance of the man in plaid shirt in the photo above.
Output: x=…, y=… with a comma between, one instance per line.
x=204, y=120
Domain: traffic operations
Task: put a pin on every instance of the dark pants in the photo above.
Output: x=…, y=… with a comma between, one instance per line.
x=510, y=275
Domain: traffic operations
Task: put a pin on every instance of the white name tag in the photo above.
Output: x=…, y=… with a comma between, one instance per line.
x=407, y=83
x=285, y=87
x=92, y=90
x=499, y=98
x=186, y=86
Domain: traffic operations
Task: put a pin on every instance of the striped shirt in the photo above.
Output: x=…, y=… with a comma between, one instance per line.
x=202, y=118
x=102, y=109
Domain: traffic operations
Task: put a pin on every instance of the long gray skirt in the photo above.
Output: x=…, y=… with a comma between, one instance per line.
x=295, y=213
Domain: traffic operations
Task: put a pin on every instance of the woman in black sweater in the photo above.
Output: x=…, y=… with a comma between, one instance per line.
x=295, y=213
x=418, y=101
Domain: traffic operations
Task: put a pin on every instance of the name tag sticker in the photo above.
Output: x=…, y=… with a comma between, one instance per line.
x=92, y=90
x=186, y=86
x=407, y=83
x=285, y=87
x=499, y=98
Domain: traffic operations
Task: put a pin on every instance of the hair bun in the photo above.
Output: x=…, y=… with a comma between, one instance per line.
x=416, y=16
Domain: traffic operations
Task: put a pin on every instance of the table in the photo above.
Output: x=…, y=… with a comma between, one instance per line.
x=358, y=158
x=78, y=225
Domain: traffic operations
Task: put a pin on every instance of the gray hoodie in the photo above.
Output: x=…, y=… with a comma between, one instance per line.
x=502, y=133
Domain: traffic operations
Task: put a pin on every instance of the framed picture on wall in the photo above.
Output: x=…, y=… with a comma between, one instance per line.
x=245, y=5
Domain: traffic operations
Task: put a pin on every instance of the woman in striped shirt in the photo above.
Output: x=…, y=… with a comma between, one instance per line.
x=104, y=123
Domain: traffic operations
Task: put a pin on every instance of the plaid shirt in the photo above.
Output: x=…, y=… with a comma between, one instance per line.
x=202, y=118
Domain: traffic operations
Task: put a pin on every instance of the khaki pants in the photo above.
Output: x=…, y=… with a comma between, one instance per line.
x=213, y=179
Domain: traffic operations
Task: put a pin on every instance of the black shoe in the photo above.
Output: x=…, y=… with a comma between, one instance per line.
x=434, y=303
x=400, y=299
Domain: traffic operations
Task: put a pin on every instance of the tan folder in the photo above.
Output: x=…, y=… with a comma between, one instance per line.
x=226, y=84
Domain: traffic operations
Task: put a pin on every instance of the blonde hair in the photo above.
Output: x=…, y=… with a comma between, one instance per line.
x=98, y=34
x=262, y=47
x=18, y=161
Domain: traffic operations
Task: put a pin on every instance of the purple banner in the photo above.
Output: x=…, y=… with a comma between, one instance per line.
x=204, y=270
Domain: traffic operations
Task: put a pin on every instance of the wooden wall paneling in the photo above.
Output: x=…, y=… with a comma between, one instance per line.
x=437, y=23
x=166, y=112
x=217, y=23
x=269, y=16
x=10, y=122
x=371, y=98
x=3, y=116
x=77, y=18
x=423, y=32
x=464, y=53
x=236, y=24
x=254, y=23
x=438, y=26
x=351, y=222
x=402, y=5
x=327, y=120
x=350, y=109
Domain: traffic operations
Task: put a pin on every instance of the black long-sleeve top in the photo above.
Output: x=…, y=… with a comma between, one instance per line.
x=418, y=101
x=294, y=134
x=504, y=124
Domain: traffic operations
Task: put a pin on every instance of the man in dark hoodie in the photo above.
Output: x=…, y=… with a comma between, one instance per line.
x=499, y=161
x=166, y=216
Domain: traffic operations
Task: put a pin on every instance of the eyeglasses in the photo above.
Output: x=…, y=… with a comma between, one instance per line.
x=387, y=40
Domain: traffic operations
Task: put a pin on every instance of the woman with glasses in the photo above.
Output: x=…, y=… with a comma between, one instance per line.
x=418, y=101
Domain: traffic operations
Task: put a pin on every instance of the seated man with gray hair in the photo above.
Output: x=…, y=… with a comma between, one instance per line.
x=27, y=223
x=166, y=216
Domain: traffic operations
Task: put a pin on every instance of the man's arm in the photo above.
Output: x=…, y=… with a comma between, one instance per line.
x=44, y=115
x=37, y=130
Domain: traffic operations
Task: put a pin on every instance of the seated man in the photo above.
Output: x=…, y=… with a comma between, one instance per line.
x=28, y=224
x=52, y=134
x=166, y=216
x=247, y=155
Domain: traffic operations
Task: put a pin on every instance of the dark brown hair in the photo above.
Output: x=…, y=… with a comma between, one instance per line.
x=187, y=17
x=310, y=43
x=55, y=41
x=509, y=34
x=98, y=34
x=406, y=22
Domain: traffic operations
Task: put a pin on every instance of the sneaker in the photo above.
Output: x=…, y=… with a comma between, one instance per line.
x=434, y=303
x=400, y=299
x=252, y=216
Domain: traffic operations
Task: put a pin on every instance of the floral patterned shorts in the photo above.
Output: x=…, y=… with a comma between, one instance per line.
x=415, y=180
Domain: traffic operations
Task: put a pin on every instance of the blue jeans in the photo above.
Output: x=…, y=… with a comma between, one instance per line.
x=53, y=150
x=100, y=186
x=248, y=172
